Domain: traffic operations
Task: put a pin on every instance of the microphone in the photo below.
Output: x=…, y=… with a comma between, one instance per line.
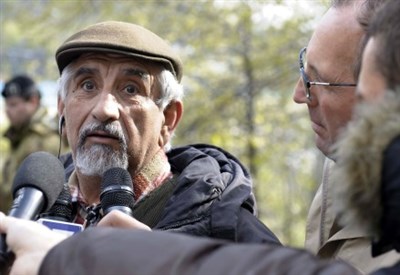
x=62, y=207
x=117, y=191
x=59, y=217
x=37, y=183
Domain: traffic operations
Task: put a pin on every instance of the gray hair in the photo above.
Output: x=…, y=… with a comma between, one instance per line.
x=170, y=89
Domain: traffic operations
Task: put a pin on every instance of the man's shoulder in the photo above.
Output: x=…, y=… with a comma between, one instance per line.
x=39, y=142
x=43, y=128
x=44, y=123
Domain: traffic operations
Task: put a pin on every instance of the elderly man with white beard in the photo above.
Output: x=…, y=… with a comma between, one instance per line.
x=120, y=101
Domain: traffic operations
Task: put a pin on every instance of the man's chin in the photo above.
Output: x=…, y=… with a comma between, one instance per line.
x=96, y=159
x=324, y=146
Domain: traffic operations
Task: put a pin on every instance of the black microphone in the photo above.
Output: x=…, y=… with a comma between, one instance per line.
x=37, y=184
x=117, y=191
x=59, y=217
x=62, y=207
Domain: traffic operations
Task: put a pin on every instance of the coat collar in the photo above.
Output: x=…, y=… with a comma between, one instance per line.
x=359, y=154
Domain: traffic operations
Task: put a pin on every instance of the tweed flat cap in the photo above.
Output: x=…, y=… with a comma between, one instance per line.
x=121, y=38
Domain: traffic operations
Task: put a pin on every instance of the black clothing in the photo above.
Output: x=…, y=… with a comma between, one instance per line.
x=393, y=270
x=212, y=197
x=109, y=251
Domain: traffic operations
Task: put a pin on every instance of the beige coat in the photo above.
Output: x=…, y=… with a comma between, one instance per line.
x=359, y=152
x=325, y=238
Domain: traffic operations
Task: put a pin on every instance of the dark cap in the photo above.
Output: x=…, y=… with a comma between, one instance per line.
x=121, y=38
x=20, y=85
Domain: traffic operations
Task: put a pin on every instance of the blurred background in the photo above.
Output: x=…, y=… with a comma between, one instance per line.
x=240, y=67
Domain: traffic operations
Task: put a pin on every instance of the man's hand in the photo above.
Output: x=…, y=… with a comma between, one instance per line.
x=30, y=242
x=118, y=219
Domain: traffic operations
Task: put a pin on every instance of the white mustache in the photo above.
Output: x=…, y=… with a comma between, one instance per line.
x=114, y=130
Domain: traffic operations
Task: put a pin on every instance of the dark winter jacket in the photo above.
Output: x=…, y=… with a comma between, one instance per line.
x=212, y=196
x=109, y=251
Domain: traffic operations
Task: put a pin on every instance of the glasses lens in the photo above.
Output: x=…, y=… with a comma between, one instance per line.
x=303, y=65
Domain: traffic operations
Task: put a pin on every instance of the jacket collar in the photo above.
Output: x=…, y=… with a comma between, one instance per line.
x=359, y=153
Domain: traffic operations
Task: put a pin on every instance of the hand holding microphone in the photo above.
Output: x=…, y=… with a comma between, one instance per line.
x=36, y=186
x=31, y=242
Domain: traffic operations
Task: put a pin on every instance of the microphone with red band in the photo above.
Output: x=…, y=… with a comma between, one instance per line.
x=37, y=184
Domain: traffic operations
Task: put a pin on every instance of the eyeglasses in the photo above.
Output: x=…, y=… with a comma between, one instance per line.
x=307, y=83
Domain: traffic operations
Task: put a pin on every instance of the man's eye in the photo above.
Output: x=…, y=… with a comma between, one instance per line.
x=88, y=85
x=131, y=89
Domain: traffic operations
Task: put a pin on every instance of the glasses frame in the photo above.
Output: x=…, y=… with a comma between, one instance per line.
x=307, y=83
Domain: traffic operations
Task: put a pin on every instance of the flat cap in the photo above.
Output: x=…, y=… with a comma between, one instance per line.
x=121, y=38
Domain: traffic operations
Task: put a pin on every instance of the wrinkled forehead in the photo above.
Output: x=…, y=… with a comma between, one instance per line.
x=97, y=65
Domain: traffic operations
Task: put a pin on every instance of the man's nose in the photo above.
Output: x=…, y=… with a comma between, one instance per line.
x=106, y=108
x=299, y=93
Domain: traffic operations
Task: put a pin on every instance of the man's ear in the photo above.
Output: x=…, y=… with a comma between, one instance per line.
x=61, y=115
x=172, y=115
x=60, y=106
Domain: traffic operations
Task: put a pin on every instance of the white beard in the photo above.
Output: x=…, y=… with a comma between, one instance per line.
x=97, y=159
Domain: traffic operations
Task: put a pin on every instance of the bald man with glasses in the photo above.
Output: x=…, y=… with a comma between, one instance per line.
x=329, y=67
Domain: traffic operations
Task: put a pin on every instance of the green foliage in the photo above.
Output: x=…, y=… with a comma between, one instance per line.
x=240, y=67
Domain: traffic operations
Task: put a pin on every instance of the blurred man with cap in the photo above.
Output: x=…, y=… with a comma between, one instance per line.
x=30, y=130
x=120, y=101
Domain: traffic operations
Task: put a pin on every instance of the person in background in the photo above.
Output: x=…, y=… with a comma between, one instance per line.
x=31, y=129
x=329, y=67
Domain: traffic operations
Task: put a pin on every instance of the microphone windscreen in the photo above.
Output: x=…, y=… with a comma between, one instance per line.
x=117, y=188
x=62, y=207
x=43, y=171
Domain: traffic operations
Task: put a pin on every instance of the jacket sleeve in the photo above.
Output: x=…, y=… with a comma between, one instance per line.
x=252, y=230
x=122, y=251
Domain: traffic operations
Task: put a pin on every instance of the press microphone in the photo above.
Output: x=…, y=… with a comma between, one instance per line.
x=62, y=207
x=59, y=217
x=117, y=191
x=37, y=184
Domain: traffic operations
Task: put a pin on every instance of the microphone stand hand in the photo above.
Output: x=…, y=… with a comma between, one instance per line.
x=30, y=241
x=121, y=220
